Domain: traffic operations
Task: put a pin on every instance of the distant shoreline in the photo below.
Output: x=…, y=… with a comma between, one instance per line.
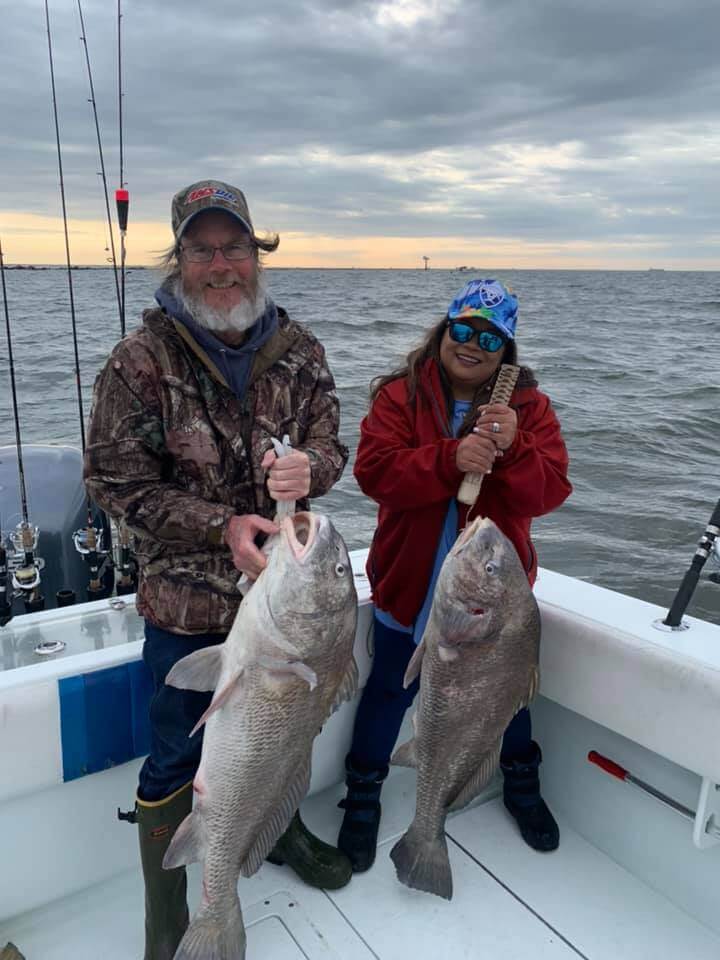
x=483, y=271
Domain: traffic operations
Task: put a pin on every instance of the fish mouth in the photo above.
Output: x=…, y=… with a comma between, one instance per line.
x=468, y=533
x=300, y=531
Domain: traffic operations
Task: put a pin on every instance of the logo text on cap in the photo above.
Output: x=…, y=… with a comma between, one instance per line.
x=203, y=192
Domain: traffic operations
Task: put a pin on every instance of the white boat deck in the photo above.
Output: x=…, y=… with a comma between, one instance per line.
x=510, y=903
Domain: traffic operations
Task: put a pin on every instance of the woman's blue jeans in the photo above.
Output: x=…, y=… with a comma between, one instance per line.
x=384, y=702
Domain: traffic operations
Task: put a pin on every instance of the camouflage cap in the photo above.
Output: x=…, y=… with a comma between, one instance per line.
x=208, y=195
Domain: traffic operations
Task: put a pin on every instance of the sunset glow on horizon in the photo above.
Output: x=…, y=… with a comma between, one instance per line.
x=30, y=239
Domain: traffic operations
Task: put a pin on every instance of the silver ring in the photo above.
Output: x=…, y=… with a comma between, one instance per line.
x=495, y=427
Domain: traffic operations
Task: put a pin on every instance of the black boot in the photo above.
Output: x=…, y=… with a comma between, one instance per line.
x=315, y=862
x=359, y=830
x=166, y=911
x=522, y=798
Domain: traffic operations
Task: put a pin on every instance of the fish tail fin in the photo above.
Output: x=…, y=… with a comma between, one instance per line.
x=423, y=863
x=211, y=938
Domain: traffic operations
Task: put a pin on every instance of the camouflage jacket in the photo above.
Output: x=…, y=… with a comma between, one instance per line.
x=173, y=451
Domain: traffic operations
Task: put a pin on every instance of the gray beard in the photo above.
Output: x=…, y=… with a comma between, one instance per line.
x=237, y=319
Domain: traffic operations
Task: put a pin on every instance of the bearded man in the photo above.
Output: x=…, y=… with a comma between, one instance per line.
x=179, y=447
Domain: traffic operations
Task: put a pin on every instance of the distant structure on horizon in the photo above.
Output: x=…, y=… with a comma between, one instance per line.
x=426, y=259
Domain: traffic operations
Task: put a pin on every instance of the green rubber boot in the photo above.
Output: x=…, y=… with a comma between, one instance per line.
x=316, y=863
x=166, y=910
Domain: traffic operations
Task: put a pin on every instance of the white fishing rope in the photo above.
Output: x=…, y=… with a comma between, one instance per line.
x=285, y=508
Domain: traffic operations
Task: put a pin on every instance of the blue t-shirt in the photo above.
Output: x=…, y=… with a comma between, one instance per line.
x=447, y=539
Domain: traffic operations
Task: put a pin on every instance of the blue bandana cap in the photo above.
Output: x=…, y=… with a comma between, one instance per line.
x=488, y=299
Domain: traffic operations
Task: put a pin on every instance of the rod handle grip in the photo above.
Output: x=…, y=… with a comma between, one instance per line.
x=502, y=391
x=609, y=766
x=470, y=488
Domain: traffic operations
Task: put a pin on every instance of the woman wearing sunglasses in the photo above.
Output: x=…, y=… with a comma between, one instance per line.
x=429, y=423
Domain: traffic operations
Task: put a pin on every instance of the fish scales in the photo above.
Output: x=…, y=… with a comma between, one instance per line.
x=479, y=665
x=285, y=664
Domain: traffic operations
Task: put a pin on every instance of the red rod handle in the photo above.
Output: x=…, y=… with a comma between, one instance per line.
x=609, y=766
x=122, y=201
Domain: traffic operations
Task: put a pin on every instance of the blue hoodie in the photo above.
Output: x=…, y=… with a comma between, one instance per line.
x=233, y=362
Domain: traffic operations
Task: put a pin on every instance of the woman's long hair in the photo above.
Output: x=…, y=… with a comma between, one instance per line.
x=430, y=347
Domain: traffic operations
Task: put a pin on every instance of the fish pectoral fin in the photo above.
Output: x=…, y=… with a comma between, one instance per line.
x=479, y=780
x=198, y=671
x=221, y=695
x=187, y=844
x=413, y=668
x=278, y=823
x=405, y=755
x=293, y=667
x=348, y=685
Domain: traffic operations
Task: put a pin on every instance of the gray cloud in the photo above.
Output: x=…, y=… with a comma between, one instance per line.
x=562, y=121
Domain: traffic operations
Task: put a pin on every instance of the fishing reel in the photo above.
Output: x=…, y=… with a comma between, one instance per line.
x=126, y=563
x=24, y=566
x=89, y=544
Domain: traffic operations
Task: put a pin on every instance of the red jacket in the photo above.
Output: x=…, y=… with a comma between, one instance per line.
x=406, y=463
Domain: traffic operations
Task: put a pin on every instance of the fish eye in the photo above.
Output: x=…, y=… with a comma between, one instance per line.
x=340, y=569
x=490, y=568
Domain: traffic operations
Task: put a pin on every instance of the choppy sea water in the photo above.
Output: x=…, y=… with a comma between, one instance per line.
x=630, y=359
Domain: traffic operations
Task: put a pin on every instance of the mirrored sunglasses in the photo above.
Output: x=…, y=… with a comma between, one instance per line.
x=464, y=332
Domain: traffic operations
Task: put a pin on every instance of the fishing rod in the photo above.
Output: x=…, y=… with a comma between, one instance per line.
x=102, y=162
x=707, y=544
x=122, y=197
x=126, y=581
x=65, y=226
x=88, y=541
x=25, y=564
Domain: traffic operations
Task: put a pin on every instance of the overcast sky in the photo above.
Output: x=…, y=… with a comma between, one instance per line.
x=513, y=133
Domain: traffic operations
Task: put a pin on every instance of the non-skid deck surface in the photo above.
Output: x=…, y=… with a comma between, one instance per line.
x=509, y=904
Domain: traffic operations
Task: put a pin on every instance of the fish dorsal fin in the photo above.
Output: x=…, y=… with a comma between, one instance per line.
x=348, y=685
x=413, y=668
x=479, y=780
x=187, y=844
x=198, y=671
x=292, y=667
x=277, y=823
x=405, y=755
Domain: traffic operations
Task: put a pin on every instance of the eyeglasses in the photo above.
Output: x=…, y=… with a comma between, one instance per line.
x=200, y=253
x=464, y=332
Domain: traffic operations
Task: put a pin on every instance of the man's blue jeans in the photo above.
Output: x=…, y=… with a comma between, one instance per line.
x=174, y=756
